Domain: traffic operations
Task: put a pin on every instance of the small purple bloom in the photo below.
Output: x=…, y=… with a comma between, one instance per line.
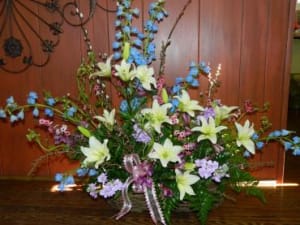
x=140, y=135
x=102, y=178
x=206, y=167
x=209, y=112
x=92, y=190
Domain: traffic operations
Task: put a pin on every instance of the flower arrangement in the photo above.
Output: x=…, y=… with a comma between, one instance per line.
x=159, y=141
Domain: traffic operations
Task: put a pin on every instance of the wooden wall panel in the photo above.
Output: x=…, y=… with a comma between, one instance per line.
x=220, y=43
x=249, y=39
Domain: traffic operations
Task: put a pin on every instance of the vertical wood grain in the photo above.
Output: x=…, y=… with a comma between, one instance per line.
x=249, y=38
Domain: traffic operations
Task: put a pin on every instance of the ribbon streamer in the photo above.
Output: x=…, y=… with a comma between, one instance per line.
x=132, y=164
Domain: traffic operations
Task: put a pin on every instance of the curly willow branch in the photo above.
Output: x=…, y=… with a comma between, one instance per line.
x=166, y=44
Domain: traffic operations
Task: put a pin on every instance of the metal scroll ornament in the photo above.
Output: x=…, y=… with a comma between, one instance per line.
x=30, y=30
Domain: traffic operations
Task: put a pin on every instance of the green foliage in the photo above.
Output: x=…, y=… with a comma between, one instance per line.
x=203, y=201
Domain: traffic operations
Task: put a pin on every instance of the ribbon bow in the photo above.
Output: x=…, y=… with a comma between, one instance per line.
x=134, y=166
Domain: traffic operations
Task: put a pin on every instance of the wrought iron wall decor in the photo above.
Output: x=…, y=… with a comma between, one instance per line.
x=30, y=31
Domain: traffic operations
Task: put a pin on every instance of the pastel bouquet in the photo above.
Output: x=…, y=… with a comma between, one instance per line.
x=157, y=140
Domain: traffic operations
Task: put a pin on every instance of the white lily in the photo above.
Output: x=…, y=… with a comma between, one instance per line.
x=187, y=105
x=244, y=136
x=184, y=183
x=145, y=75
x=208, y=130
x=105, y=68
x=223, y=112
x=157, y=115
x=124, y=71
x=108, y=118
x=166, y=153
x=96, y=153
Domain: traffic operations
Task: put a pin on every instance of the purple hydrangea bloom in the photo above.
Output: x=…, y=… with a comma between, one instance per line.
x=140, y=135
x=102, y=178
x=206, y=167
x=220, y=173
x=92, y=190
x=209, y=112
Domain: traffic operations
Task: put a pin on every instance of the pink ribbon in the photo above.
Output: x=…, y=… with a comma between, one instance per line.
x=132, y=164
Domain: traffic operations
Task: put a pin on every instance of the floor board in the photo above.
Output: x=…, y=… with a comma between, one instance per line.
x=32, y=203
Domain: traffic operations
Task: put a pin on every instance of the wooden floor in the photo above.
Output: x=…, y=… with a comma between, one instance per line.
x=32, y=203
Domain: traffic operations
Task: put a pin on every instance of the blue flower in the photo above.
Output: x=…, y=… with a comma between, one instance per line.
x=2, y=114
x=117, y=55
x=247, y=154
x=51, y=101
x=31, y=101
x=33, y=95
x=178, y=80
x=138, y=42
x=118, y=35
x=117, y=23
x=287, y=145
x=35, y=112
x=296, y=151
x=116, y=45
x=189, y=79
x=20, y=115
x=10, y=100
x=134, y=30
x=81, y=172
x=49, y=112
x=285, y=132
x=255, y=136
x=92, y=172
x=205, y=68
x=193, y=71
x=13, y=118
x=61, y=187
x=140, y=35
x=135, y=103
x=136, y=11
x=296, y=140
x=71, y=111
x=69, y=180
x=175, y=104
x=124, y=106
x=259, y=145
x=195, y=83
x=159, y=16
x=126, y=30
x=151, y=48
x=58, y=177
x=176, y=89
